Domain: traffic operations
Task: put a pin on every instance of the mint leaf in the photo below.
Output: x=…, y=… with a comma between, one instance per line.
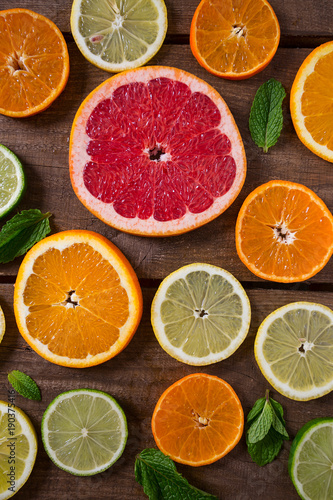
x=257, y=408
x=21, y=232
x=161, y=481
x=266, y=118
x=266, y=450
x=24, y=385
x=261, y=424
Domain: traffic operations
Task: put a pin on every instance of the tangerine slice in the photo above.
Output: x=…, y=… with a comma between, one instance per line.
x=155, y=151
x=77, y=300
x=34, y=62
x=198, y=420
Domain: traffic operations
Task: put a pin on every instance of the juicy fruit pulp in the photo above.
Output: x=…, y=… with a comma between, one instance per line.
x=12, y=180
x=198, y=420
x=84, y=431
x=34, y=62
x=155, y=152
x=2, y=324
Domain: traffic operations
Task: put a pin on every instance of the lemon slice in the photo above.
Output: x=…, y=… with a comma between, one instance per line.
x=117, y=35
x=200, y=314
x=311, y=460
x=18, y=448
x=12, y=180
x=294, y=350
x=84, y=431
x=2, y=324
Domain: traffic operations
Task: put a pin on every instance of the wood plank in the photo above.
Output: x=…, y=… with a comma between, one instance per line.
x=314, y=20
x=42, y=144
x=136, y=378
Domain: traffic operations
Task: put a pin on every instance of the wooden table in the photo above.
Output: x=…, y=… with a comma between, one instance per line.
x=138, y=376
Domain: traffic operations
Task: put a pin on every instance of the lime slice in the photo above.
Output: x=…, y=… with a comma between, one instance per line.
x=84, y=431
x=294, y=350
x=311, y=460
x=116, y=35
x=200, y=314
x=2, y=324
x=18, y=448
x=12, y=180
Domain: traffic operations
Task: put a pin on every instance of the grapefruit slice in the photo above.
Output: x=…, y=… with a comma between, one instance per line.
x=155, y=151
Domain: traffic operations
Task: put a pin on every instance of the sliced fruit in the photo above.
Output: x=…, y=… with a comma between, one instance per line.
x=294, y=350
x=18, y=442
x=2, y=324
x=311, y=101
x=34, y=62
x=12, y=180
x=198, y=420
x=284, y=232
x=77, y=300
x=119, y=35
x=84, y=431
x=200, y=314
x=234, y=39
x=155, y=151
x=311, y=460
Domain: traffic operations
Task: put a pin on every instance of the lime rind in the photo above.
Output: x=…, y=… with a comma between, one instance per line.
x=75, y=426
x=12, y=180
x=302, y=438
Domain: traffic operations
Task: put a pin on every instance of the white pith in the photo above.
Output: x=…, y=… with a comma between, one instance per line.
x=19, y=176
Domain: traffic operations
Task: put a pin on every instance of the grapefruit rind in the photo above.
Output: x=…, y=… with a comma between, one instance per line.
x=78, y=156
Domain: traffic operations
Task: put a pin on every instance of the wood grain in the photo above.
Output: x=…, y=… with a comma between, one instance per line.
x=136, y=378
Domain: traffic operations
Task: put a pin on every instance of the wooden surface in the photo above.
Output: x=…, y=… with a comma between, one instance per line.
x=138, y=376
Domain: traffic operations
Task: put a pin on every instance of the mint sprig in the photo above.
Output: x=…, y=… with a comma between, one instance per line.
x=160, y=480
x=266, y=118
x=21, y=232
x=266, y=430
x=24, y=385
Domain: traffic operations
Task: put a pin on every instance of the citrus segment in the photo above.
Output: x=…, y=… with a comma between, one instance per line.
x=311, y=102
x=294, y=350
x=198, y=420
x=311, y=460
x=119, y=35
x=84, y=431
x=12, y=180
x=18, y=441
x=284, y=232
x=234, y=39
x=155, y=151
x=77, y=300
x=2, y=324
x=34, y=62
x=200, y=314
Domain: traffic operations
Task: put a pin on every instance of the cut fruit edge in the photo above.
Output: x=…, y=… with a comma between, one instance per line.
x=128, y=280
x=306, y=69
x=264, y=366
x=53, y=408
x=158, y=325
x=127, y=65
x=78, y=156
x=2, y=324
x=20, y=176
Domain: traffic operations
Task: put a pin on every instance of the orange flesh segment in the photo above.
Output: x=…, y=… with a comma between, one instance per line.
x=92, y=326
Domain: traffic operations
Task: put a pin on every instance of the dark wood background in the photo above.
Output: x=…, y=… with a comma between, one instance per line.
x=138, y=376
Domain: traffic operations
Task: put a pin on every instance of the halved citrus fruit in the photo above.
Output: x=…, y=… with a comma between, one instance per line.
x=198, y=420
x=294, y=350
x=284, y=232
x=234, y=39
x=2, y=324
x=200, y=314
x=77, y=300
x=311, y=100
x=155, y=151
x=119, y=35
x=34, y=62
x=12, y=180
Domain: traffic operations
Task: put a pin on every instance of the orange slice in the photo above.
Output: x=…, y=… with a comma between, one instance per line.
x=284, y=232
x=77, y=300
x=198, y=420
x=311, y=102
x=234, y=39
x=34, y=62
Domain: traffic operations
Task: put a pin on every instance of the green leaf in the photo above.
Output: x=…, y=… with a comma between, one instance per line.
x=161, y=481
x=278, y=422
x=278, y=409
x=264, y=451
x=266, y=118
x=21, y=232
x=257, y=408
x=261, y=424
x=24, y=385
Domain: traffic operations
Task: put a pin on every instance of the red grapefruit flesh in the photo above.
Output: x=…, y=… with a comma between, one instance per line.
x=155, y=151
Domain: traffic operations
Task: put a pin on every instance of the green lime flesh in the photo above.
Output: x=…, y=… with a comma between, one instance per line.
x=84, y=431
x=12, y=180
